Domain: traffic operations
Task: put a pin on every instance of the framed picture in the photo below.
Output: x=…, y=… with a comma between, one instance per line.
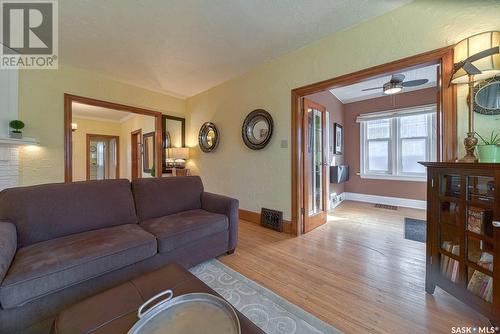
x=338, y=139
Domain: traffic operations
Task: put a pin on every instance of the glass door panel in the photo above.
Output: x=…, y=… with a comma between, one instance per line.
x=450, y=213
x=450, y=185
x=481, y=189
x=450, y=244
x=315, y=151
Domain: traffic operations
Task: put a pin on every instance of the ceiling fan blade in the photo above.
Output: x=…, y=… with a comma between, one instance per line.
x=397, y=78
x=470, y=69
x=483, y=54
x=363, y=90
x=413, y=83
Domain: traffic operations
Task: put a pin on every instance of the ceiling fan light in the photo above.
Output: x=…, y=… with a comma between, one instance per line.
x=392, y=88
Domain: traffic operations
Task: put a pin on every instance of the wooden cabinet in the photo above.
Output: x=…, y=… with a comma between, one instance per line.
x=463, y=233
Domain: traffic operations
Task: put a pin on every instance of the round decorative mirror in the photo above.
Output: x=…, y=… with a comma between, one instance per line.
x=208, y=138
x=487, y=97
x=257, y=129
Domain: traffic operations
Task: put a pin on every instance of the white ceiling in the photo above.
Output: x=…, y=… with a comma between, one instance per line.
x=354, y=93
x=86, y=111
x=183, y=47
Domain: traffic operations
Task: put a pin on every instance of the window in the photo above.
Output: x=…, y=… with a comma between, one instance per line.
x=392, y=143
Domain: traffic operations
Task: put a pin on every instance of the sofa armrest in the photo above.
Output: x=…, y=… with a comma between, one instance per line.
x=8, y=246
x=227, y=206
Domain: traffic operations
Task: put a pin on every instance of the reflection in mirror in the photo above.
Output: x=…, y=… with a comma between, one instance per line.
x=148, y=152
x=208, y=137
x=174, y=134
x=257, y=129
x=487, y=97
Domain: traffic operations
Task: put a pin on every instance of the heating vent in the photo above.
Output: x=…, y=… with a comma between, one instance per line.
x=272, y=219
x=385, y=206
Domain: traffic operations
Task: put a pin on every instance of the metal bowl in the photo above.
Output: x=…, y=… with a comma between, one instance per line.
x=191, y=313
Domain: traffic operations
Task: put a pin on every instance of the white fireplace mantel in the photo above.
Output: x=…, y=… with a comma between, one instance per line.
x=18, y=142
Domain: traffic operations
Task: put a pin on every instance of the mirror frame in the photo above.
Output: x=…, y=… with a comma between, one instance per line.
x=477, y=107
x=145, y=156
x=205, y=128
x=257, y=113
x=164, y=138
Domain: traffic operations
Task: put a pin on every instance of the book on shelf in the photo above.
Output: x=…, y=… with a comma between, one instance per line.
x=481, y=285
x=450, y=268
x=478, y=220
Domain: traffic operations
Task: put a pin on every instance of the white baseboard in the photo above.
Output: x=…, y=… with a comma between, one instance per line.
x=404, y=202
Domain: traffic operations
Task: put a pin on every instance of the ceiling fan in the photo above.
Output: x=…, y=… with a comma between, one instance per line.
x=397, y=83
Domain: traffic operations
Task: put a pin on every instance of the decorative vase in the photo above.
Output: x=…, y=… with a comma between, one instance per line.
x=16, y=135
x=488, y=153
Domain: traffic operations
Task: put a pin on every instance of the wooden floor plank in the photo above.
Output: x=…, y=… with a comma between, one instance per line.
x=356, y=272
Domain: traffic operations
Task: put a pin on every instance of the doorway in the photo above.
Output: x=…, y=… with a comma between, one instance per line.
x=314, y=148
x=446, y=119
x=136, y=161
x=103, y=157
x=98, y=106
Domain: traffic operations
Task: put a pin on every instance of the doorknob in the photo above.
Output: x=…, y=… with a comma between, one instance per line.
x=496, y=223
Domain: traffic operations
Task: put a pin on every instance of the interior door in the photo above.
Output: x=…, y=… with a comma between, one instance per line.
x=314, y=148
x=135, y=159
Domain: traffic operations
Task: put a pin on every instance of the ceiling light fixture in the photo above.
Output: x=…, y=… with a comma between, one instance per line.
x=392, y=88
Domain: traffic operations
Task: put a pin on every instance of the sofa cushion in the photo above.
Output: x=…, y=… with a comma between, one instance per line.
x=50, y=211
x=165, y=196
x=182, y=228
x=52, y=265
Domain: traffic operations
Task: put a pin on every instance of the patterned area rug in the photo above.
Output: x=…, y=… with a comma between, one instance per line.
x=272, y=313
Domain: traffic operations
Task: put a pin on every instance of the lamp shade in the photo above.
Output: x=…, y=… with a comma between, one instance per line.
x=179, y=153
x=489, y=65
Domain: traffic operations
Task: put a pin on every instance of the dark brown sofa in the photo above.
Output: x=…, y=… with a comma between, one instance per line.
x=60, y=243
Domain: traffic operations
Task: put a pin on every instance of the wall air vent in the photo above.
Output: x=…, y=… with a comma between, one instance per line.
x=272, y=219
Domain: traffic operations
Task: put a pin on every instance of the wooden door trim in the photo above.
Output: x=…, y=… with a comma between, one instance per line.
x=137, y=133
x=87, y=147
x=443, y=57
x=308, y=103
x=68, y=133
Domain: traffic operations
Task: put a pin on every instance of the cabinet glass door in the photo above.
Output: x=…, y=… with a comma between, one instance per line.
x=480, y=201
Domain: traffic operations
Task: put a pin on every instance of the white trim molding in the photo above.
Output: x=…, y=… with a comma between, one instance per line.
x=396, y=201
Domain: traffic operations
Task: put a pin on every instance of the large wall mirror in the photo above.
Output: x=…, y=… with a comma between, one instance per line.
x=174, y=135
x=487, y=97
x=148, y=159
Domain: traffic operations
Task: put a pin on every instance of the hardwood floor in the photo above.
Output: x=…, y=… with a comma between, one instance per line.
x=356, y=272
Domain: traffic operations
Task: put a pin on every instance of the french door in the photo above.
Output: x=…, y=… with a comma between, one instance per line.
x=315, y=149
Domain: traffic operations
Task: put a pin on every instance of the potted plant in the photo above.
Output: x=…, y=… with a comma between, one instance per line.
x=489, y=150
x=16, y=126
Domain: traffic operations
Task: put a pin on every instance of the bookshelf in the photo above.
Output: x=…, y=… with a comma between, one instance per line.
x=463, y=233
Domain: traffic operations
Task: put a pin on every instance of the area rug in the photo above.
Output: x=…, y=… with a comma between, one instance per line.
x=415, y=229
x=272, y=313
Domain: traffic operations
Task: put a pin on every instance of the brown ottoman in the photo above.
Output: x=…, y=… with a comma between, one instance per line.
x=115, y=311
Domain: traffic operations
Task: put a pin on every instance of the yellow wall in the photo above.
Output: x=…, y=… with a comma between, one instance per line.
x=41, y=107
x=263, y=178
x=86, y=126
